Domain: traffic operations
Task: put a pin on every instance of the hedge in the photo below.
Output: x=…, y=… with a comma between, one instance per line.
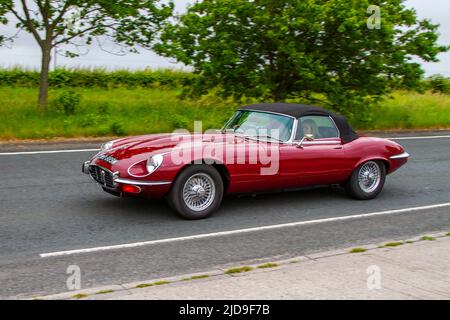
x=97, y=78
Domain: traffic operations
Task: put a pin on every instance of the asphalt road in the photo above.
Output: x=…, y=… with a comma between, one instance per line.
x=47, y=205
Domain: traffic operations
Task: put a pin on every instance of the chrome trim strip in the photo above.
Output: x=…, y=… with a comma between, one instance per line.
x=148, y=174
x=401, y=156
x=142, y=183
x=321, y=143
x=269, y=112
x=294, y=132
x=85, y=167
x=337, y=129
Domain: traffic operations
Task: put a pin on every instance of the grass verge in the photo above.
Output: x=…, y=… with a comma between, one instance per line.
x=267, y=266
x=394, y=244
x=358, y=250
x=123, y=112
x=158, y=283
x=204, y=276
x=80, y=296
x=239, y=270
x=104, y=291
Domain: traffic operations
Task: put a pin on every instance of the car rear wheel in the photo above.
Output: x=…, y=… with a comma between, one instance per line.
x=367, y=181
x=197, y=192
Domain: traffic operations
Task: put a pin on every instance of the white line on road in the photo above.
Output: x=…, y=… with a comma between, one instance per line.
x=94, y=150
x=47, y=152
x=240, y=231
x=419, y=138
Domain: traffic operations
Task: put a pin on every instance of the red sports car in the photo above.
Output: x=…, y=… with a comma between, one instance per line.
x=263, y=147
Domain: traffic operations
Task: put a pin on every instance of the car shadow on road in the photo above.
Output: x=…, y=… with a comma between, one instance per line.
x=288, y=204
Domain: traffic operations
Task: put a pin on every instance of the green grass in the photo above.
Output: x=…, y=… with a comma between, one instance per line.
x=116, y=112
x=427, y=238
x=239, y=270
x=80, y=296
x=448, y=234
x=203, y=276
x=123, y=112
x=267, y=266
x=394, y=244
x=104, y=291
x=409, y=110
x=358, y=250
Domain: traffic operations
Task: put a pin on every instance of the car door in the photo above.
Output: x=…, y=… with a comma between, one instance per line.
x=317, y=162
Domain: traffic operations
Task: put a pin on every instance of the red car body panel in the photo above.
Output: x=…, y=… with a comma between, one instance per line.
x=329, y=162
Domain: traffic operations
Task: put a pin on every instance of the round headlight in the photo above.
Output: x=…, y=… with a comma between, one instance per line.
x=107, y=145
x=154, y=162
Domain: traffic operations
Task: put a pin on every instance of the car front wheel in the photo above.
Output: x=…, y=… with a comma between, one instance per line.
x=367, y=181
x=197, y=192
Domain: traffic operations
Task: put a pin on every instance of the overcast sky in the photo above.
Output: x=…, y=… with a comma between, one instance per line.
x=25, y=52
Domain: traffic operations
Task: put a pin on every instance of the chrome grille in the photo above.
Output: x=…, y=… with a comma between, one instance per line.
x=102, y=176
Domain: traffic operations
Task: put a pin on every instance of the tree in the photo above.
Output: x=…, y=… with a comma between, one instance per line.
x=75, y=22
x=439, y=84
x=326, y=51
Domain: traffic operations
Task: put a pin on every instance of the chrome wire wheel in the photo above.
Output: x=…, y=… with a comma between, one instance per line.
x=199, y=192
x=369, y=177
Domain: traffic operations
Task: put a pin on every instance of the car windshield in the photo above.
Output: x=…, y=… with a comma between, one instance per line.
x=267, y=126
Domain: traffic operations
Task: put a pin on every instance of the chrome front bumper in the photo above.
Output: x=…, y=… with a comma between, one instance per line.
x=404, y=155
x=117, y=179
x=85, y=167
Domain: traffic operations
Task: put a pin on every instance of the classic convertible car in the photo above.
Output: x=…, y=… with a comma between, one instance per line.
x=263, y=147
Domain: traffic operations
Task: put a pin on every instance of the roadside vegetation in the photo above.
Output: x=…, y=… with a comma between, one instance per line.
x=203, y=276
x=267, y=265
x=393, y=244
x=126, y=110
x=358, y=250
x=101, y=112
x=334, y=63
x=239, y=270
x=80, y=296
x=158, y=283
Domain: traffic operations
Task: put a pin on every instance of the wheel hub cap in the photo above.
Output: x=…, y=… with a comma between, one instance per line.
x=369, y=177
x=199, y=192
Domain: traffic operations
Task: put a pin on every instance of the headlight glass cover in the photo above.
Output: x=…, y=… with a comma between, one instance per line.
x=154, y=162
x=107, y=145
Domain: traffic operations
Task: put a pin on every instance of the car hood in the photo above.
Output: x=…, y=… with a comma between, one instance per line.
x=145, y=146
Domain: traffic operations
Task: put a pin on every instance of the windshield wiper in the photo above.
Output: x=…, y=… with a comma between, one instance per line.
x=270, y=137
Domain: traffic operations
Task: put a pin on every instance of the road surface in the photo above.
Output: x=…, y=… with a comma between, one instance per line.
x=49, y=208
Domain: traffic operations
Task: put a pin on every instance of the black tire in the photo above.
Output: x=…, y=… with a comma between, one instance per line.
x=177, y=201
x=355, y=190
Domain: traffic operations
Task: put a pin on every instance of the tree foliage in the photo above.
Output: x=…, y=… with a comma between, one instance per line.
x=75, y=23
x=320, y=51
x=439, y=84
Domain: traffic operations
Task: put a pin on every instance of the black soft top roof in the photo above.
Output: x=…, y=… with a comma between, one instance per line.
x=301, y=110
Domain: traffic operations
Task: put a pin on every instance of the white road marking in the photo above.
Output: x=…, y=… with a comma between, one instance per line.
x=94, y=150
x=240, y=231
x=47, y=152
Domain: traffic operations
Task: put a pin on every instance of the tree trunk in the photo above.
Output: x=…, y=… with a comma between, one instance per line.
x=44, y=83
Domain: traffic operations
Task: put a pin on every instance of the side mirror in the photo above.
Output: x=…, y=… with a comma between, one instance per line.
x=307, y=137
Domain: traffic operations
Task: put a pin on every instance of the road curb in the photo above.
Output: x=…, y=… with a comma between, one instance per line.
x=109, y=292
